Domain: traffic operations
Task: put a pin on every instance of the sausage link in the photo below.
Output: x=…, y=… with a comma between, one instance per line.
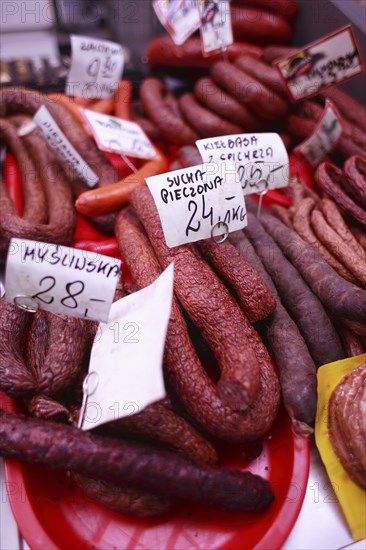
x=249, y=91
x=162, y=52
x=254, y=297
x=190, y=382
x=336, y=221
x=273, y=53
x=203, y=121
x=170, y=126
x=213, y=311
x=56, y=350
x=225, y=105
x=286, y=8
x=160, y=423
x=256, y=68
x=302, y=304
x=351, y=341
x=137, y=465
x=61, y=215
x=15, y=378
x=328, y=177
x=46, y=408
x=359, y=235
x=224, y=327
x=354, y=180
x=259, y=26
x=302, y=226
x=35, y=203
x=295, y=366
x=336, y=294
x=338, y=247
x=349, y=106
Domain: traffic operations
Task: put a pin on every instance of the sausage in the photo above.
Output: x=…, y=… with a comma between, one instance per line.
x=254, y=297
x=189, y=156
x=283, y=214
x=336, y=294
x=335, y=220
x=351, y=341
x=124, y=500
x=122, y=100
x=203, y=121
x=225, y=105
x=160, y=423
x=57, y=346
x=302, y=226
x=301, y=303
x=172, y=127
x=328, y=177
x=346, y=426
x=295, y=366
x=183, y=371
x=338, y=247
x=162, y=52
x=256, y=68
x=139, y=466
x=46, y=408
x=112, y=197
x=15, y=378
x=35, y=203
x=286, y=8
x=61, y=212
x=354, y=181
x=224, y=327
x=259, y=26
x=249, y=91
x=359, y=235
x=213, y=311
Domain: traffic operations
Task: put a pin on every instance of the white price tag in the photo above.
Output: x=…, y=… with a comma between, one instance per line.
x=60, y=145
x=324, y=138
x=192, y=202
x=261, y=160
x=127, y=354
x=180, y=17
x=328, y=61
x=96, y=67
x=120, y=136
x=216, y=30
x=61, y=279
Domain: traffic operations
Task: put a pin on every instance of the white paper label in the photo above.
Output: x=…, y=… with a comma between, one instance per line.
x=179, y=17
x=60, y=145
x=216, y=31
x=328, y=61
x=120, y=136
x=324, y=138
x=96, y=67
x=191, y=202
x=261, y=160
x=127, y=354
x=61, y=279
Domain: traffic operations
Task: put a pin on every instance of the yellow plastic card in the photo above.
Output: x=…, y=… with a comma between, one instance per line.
x=350, y=496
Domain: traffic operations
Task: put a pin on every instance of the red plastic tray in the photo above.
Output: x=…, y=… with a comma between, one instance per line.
x=52, y=513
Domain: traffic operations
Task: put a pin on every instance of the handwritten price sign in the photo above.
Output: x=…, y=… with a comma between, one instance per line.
x=96, y=67
x=60, y=279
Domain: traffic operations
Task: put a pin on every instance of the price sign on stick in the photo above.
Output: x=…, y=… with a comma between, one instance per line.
x=179, y=17
x=198, y=202
x=61, y=146
x=96, y=67
x=261, y=160
x=60, y=279
x=120, y=136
